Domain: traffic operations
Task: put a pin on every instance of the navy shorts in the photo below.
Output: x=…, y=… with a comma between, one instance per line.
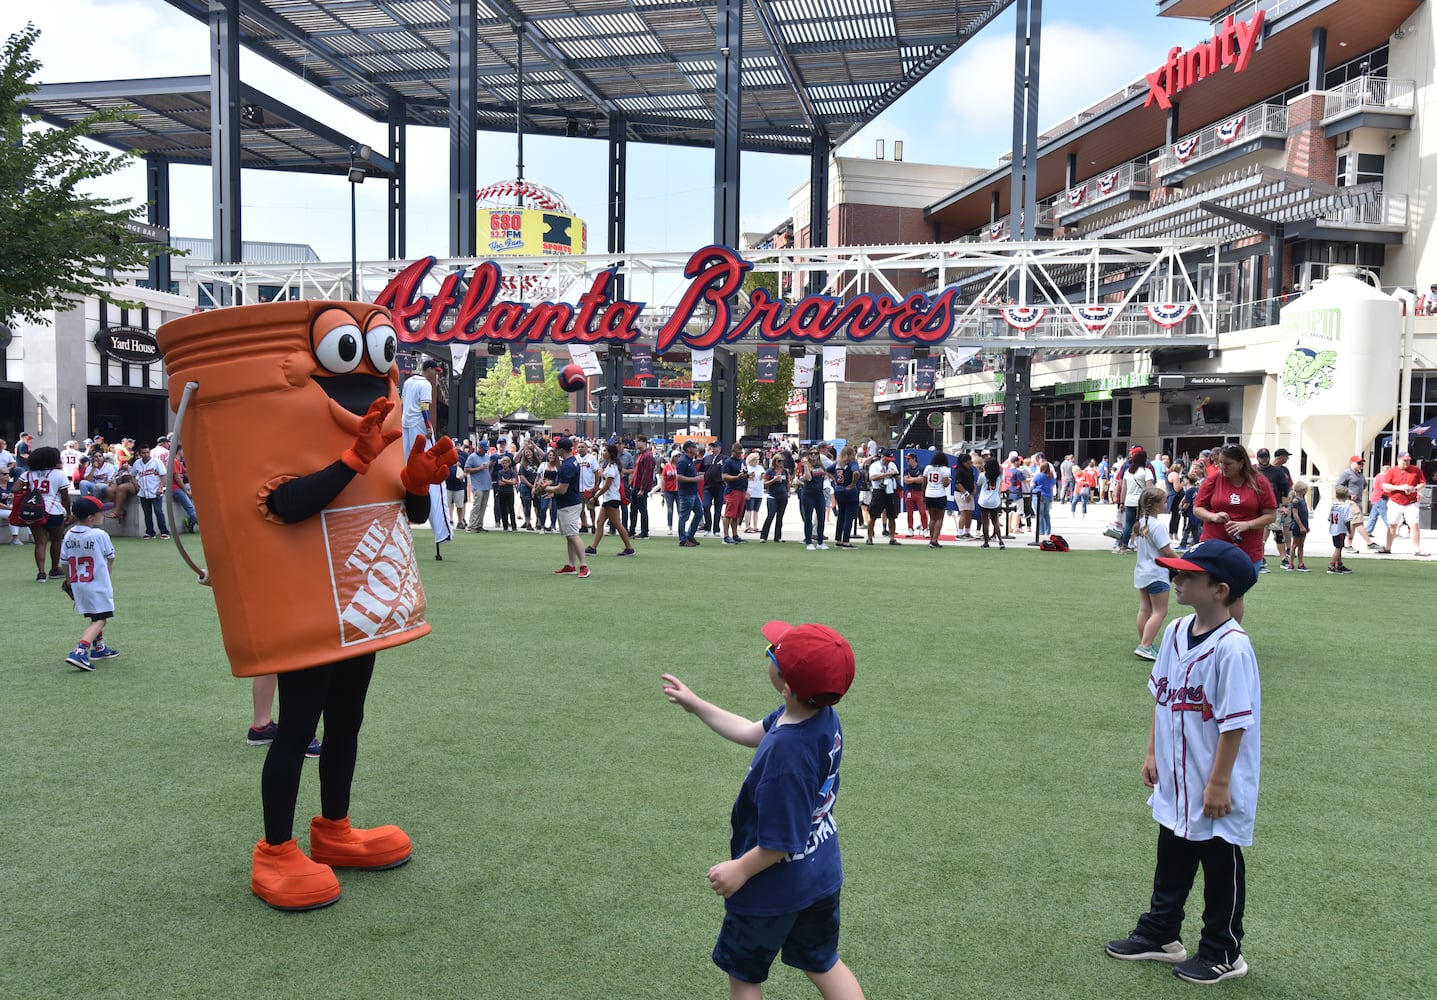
x=808, y=940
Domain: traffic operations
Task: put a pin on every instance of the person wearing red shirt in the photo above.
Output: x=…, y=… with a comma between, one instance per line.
x=1403, y=488
x=1235, y=504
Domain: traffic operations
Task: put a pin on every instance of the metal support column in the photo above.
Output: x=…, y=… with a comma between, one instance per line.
x=157, y=194
x=618, y=192
x=397, y=208
x=614, y=398
x=1030, y=140
x=728, y=137
x=225, y=134
x=817, y=237
x=1317, y=62
x=1070, y=172
x=463, y=155
x=1174, y=132
x=1017, y=400
x=1023, y=202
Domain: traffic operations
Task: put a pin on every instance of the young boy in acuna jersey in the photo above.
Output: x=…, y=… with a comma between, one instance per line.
x=1202, y=765
x=87, y=555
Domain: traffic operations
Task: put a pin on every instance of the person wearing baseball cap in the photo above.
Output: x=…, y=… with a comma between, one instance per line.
x=1202, y=764
x=781, y=884
x=688, y=476
x=93, y=593
x=1404, y=488
x=1354, y=478
x=565, y=493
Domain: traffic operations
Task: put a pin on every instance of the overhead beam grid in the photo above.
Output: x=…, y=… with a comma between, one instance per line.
x=810, y=67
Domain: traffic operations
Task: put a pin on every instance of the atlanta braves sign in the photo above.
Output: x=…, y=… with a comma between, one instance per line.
x=715, y=276
x=1232, y=45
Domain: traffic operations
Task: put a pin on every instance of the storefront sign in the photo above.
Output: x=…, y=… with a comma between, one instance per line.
x=128, y=344
x=992, y=409
x=715, y=274
x=1232, y=45
x=1133, y=380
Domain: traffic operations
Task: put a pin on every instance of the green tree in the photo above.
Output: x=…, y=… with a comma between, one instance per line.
x=759, y=404
x=502, y=391
x=55, y=242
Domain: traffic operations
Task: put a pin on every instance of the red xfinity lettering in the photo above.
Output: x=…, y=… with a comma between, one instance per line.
x=1232, y=45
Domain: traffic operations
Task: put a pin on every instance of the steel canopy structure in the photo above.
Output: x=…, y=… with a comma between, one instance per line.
x=646, y=70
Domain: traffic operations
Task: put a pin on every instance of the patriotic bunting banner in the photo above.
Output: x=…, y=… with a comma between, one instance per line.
x=835, y=364
x=1024, y=317
x=898, y=358
x=643, y=356
x=1169, y=314
x=927, y=373
x=703, y=366
x=995, y=231
x=1232, y=128
x=1107, y=182
x=803, y=371
x=586, y=359
x=534, y=368
x=1076, y=196
x=1185, y=149
x=768, y=364
x=1096, y=317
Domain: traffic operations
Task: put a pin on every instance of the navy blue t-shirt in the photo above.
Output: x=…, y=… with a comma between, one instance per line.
x=685, y=467
x=786, y=804
x=845, y=481
x=568, y=473
x=735, y=467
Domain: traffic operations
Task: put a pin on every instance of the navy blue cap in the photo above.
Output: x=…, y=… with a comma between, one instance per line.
x=1223, y=561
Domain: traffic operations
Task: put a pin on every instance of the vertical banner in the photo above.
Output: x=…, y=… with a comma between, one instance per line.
x=835, y=364
x=643, y=357
x=927, y=373
x=768, y=364
x=703, y=366
x=958, y=358
x=803, y=371
x=898, y=358
x=586, y=359
x=518, y=357
x=534, y=368
x=458, y=354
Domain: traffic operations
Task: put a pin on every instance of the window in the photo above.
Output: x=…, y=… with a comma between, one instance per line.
x=1059, y=421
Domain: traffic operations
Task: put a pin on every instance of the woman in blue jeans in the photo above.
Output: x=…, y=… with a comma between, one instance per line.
x=811, y=501
x=1137, y=477
x=775, y=484
x=845, y=493
x=1043, y=495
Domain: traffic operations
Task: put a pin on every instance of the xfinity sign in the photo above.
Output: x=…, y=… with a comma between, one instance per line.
x=1232, y=45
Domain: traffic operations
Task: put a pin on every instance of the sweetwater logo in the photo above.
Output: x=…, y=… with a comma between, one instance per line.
x=1307, y=373
x=377, y=591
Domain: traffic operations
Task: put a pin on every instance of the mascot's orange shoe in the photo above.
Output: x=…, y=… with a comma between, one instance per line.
x=287, y=880
x=335, y=843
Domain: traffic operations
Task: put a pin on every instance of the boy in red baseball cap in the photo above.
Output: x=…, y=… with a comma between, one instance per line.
x=781, y=885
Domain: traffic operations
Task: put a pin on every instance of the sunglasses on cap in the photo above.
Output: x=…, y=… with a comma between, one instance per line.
x=774, y=659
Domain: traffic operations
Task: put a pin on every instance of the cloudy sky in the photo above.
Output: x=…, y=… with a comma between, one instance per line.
x=960, y=114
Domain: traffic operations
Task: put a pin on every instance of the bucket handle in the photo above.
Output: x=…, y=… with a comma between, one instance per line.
x=203, y=574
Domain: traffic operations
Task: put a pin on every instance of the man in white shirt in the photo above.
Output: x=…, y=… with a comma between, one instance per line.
x=588, y=464
x=149, y=475
x=7, y=465
x=70, y=457
x=416, y=397
x=883, y=475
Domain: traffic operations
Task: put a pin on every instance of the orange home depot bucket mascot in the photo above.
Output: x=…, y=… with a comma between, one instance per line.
x=306, y=500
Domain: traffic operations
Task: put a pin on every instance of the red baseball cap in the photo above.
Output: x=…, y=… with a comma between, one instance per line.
x=815, y=661
x=1358, y=459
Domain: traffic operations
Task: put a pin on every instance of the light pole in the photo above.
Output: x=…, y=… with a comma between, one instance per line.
x=356, y=178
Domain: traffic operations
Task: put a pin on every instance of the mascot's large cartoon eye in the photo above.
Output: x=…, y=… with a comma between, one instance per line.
x=341, y=350
x=383, y=346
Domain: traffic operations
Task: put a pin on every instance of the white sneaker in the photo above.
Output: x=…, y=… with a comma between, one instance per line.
x=811, y=547
x=823, y=547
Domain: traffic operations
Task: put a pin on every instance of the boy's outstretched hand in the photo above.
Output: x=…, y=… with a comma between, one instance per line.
x=678, y=692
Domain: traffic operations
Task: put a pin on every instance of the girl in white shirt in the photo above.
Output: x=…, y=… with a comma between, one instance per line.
x=611, y=506
x=1150, y=579
x=937, y=485
x=754, y=468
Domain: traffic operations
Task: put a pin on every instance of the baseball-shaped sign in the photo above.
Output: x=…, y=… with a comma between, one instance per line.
x=572, y=378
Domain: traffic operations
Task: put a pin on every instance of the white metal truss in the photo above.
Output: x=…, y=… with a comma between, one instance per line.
x=1053, y=294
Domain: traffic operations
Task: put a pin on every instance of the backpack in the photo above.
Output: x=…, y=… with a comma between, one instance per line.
x=31, y=506
x=1054, y=543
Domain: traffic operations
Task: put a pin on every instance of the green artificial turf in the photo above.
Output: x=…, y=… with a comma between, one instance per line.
x=564, y=814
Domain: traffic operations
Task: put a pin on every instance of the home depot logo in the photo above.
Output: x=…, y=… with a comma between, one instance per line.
x=377, y=592
x=1232, y=45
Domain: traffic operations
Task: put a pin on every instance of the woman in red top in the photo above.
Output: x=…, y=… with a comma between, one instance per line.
x=669, y=484
x=1235, y=504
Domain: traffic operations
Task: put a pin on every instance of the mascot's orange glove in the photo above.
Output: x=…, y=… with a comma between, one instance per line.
x=430, y=467
x=370, y=440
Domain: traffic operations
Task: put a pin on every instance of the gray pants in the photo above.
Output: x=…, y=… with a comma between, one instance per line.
x=477, y=508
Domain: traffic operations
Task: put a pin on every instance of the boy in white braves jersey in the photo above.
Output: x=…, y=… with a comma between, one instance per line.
x=1202, y=765
x=88, y=554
